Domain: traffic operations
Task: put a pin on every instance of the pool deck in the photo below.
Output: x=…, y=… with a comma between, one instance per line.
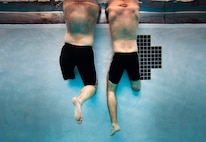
x=150, y=12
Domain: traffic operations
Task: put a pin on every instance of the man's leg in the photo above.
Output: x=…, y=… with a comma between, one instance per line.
x=87, y=72
x=136, y=85
x=112, y=106
x=87, y=92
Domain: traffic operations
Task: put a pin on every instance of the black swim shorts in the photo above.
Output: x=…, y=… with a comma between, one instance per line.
x=121, y=62
x=83, y=58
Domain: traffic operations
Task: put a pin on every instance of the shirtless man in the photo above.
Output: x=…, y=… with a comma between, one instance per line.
x=123, y=20
x=80, y=17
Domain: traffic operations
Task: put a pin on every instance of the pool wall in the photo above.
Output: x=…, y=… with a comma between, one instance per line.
x=150, y=12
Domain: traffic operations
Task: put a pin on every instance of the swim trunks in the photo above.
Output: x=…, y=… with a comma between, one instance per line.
x=122, y=61
x=83, y=58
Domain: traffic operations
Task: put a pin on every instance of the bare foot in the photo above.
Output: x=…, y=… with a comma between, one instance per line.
x=115, y=129
x=77, y=110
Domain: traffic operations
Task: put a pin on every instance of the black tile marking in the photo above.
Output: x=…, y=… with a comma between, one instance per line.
x=150, y=57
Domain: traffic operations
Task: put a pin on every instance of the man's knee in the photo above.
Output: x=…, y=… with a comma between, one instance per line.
x=111, y=86
x=89, y=88
x=136, y=85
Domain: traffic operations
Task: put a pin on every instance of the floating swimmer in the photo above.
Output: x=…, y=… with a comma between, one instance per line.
x=80, y=18
x=123, y=21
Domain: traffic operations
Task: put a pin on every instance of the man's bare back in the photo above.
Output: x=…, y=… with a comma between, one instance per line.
x=80, y=17
x=123, y=19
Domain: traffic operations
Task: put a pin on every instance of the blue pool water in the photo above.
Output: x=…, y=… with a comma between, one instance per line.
x=35, y=102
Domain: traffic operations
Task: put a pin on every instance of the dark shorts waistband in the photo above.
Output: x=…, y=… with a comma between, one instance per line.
x=126, y=54
x=78, y=46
